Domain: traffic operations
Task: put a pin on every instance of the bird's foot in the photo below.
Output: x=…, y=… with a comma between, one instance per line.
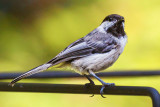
x=91, y=84
x=103, y=87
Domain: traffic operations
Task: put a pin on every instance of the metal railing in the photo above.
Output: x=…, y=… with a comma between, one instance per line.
x=65, y=74
x=82, y=89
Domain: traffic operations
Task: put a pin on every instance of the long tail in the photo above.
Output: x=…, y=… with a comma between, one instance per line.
x=31, y=72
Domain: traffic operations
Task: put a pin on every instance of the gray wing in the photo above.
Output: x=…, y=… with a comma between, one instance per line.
x=90, y=44
x=77, y=49
x=101, y=42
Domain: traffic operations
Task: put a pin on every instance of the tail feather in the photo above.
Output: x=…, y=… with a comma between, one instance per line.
x=31, y=72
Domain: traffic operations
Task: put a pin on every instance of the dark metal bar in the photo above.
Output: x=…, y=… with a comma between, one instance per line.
x=66, y=74
x=82, y=89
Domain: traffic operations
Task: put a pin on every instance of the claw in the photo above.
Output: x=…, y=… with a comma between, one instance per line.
x=92, y=95
x=103, y=87
x=89, y=85
x=101, y=91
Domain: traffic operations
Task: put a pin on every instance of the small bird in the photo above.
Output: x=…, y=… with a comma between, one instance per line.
x=95, y=52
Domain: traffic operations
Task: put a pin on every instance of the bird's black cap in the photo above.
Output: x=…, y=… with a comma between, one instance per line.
x=113, y=17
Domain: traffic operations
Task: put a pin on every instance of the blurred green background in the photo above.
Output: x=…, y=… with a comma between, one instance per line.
x=34, y=31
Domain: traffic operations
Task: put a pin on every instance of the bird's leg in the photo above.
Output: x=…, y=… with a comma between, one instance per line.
x=89, y=84
x=104, y=84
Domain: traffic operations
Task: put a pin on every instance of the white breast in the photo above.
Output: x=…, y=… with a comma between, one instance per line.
x=99, y=61
x=122, y=42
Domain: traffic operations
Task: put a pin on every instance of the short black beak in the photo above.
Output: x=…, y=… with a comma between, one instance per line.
x=122, y=20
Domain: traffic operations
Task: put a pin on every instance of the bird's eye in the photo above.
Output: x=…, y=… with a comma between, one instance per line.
x=110, y=19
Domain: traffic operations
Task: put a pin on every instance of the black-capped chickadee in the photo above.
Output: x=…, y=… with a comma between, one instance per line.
x=95, y=52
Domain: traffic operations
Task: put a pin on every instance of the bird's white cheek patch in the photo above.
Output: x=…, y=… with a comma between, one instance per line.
x=104, y=26
x=101, y=29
